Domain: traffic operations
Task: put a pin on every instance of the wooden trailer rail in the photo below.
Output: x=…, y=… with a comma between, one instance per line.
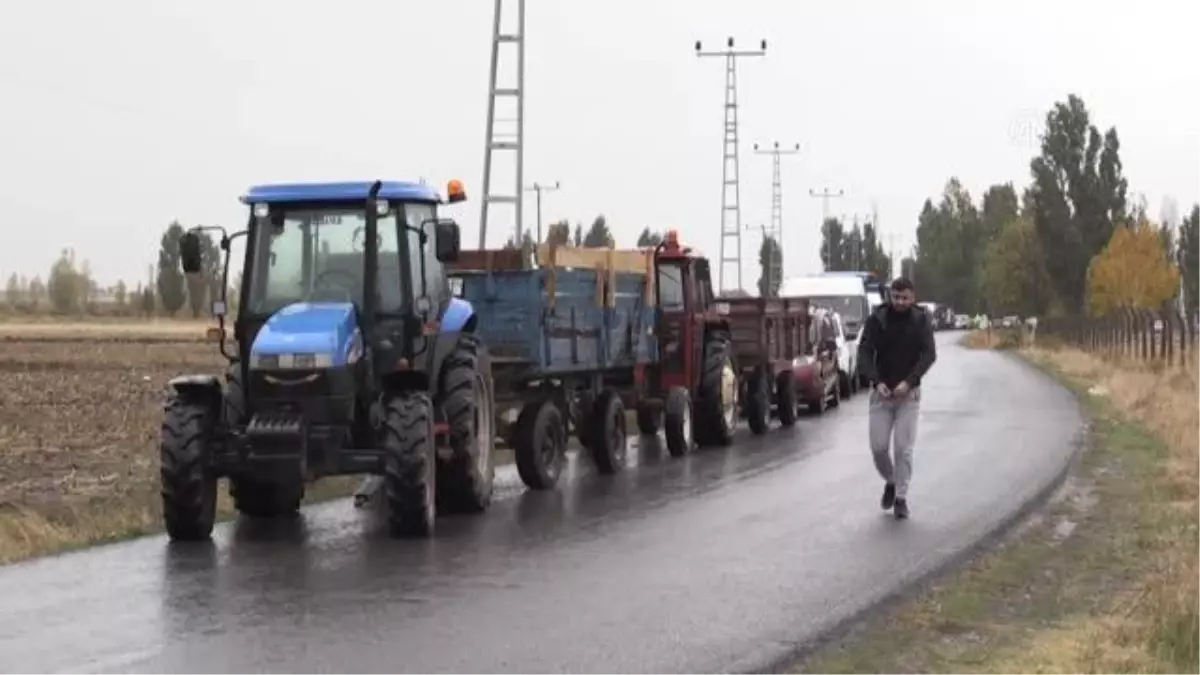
x=765, y=330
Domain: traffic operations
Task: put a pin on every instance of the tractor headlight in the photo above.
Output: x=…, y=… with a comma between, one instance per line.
x=303, y=361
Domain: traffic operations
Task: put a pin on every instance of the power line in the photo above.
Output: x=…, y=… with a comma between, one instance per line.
x=539, y=188
x=774, y=269
x=825, y=196
x=731, y=209
x=513, y=141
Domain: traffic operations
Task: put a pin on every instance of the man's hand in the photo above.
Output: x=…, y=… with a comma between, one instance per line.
x=883, y=390
x=901, y=389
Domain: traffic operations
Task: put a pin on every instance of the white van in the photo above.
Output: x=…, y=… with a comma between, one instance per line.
x=845, y=294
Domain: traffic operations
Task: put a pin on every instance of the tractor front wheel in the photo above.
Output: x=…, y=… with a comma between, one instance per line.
x=189, y=486
x=677, y=421
x=410, y=470
x=465, y=397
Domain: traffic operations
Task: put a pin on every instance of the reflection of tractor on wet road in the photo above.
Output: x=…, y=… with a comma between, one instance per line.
x=351, y=357
x=590, y=333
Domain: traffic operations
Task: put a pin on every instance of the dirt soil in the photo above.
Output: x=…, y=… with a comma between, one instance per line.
x=79, y=422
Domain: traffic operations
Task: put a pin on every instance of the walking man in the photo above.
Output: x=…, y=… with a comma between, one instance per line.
x=896, y=350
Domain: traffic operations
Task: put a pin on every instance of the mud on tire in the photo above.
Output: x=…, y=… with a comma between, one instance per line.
x=465, y=398
x=712, y=426
x=409, y=479
x=189, y=487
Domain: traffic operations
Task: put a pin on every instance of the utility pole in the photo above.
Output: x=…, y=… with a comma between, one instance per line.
x=512, y=141
x=539, y=189
x=774, y=271
x=825, y=196
x=731, y=207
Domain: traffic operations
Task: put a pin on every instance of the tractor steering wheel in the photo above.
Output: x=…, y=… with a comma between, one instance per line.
x=346, y=292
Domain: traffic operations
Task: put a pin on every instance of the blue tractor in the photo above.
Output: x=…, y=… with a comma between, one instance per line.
x=349, y=355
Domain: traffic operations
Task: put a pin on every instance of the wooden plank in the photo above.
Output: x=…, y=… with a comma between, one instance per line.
x=487, y=260
x=636, y=261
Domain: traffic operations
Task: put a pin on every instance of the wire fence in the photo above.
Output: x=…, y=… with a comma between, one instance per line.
x=1161, y=336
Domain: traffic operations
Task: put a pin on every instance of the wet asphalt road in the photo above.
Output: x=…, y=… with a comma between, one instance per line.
x=722, y=561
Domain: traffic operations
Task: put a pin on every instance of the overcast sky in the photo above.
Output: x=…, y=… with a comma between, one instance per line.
x=119, y=116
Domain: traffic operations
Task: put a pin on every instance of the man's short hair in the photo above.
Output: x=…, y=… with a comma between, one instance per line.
x=900, y=284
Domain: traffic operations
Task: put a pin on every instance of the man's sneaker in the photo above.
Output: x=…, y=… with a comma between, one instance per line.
x=889, y=496
x=901, y=509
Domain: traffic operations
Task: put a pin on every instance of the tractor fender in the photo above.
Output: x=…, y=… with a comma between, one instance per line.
x=197, y=387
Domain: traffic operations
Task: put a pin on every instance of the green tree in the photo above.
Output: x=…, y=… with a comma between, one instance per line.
x=833, y=236
x=120, y=293
x=1014, y=274
x=1000, y=207
x=770, y=264
x=203, y=288
x=1078, y=196
x=1187, y=257
x=950, y=247
x=852, y=249
x=559, y=234
x=875, y=258
x=577, y=239
x=599, y=236
x=13, y=291
x=648, y=238
x=64, y=284
x=908, y=268
x=37, y=292
x=147, y=301
x=171, y=284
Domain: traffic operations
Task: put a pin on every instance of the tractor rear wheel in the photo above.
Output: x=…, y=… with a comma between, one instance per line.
x=717, y=403
x=758, y=402
x=540, y=444
x=465, y=397
x=677, y=421
x=410, y=465
x=189, y=486
x=785, y=397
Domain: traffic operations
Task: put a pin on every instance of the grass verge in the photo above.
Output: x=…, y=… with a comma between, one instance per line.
x=1103, y=579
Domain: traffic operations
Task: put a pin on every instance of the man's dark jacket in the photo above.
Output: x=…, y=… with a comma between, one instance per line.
x=900, y=352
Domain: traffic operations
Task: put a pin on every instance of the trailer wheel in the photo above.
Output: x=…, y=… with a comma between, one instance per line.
x=677, y=421
x=718, y=390
x=844, y=390
x=785, y=397
x=189, y=487
x=465, y=397
x=540, y=444
x=758, y=402
x=649, y=419
x=608, y=433
x=410, y=469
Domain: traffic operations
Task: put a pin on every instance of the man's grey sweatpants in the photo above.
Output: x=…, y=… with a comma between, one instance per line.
x=896, y=416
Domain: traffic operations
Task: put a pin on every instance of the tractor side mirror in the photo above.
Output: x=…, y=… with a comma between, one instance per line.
x=189, y=252
x=446, y=240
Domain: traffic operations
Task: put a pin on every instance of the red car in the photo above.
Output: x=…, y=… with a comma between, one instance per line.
x=816, y=373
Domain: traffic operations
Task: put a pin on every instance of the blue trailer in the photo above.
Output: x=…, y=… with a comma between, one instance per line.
x=569, y=352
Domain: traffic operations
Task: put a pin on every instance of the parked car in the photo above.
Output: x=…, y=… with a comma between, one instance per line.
x=816, y=372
